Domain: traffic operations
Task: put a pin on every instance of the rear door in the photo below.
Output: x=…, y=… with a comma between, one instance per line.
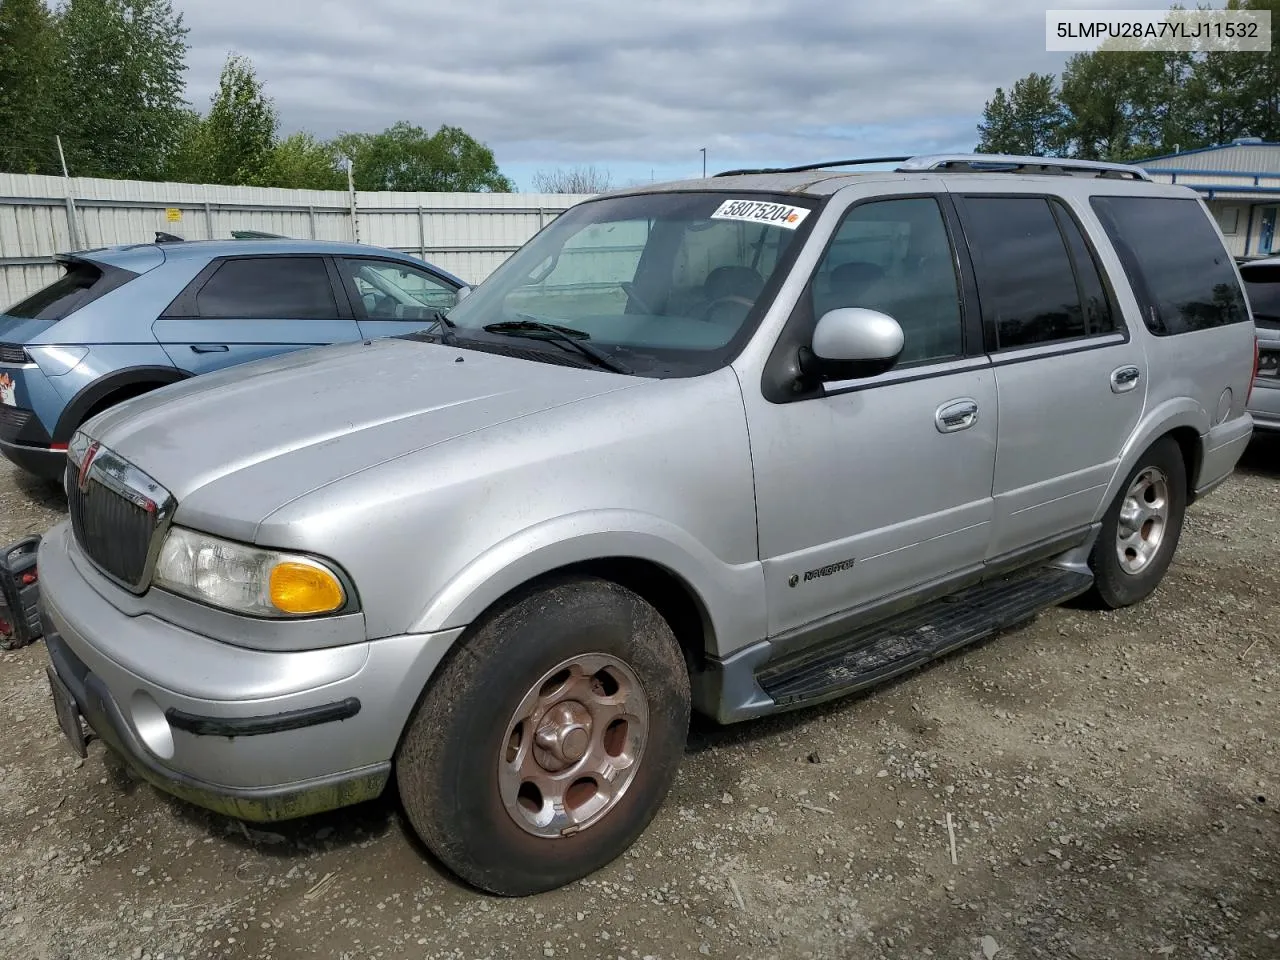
x=390, y=297
x=1070, y=379
x=244, y=308
x=1189, y=295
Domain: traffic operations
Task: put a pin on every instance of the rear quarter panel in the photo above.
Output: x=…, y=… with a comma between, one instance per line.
x=1198, y=380
x=124, y=316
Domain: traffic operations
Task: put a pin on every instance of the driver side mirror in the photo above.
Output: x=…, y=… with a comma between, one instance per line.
x=463, y=292
x=853, y=342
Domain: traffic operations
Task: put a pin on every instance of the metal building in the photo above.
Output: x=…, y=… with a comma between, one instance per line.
x=1240, y=183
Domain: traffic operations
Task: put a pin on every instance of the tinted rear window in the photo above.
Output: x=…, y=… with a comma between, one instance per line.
x=82, y=283
x=269, y=288
x=1262, y=285
x=1180, y=272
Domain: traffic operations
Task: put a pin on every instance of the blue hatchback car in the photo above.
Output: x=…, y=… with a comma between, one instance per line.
x=124, y=320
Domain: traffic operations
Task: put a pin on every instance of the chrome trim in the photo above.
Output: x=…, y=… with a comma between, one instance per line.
x=125, y=480
x=942, y=162
x=921, y=371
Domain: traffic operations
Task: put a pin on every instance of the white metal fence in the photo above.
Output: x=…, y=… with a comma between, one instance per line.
x=468, y=234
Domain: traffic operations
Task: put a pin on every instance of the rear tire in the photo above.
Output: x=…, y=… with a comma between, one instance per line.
x=575, y=694
x=1141, y=528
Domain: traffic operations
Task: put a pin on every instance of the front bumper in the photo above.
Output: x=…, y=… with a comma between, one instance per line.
x=254, y=734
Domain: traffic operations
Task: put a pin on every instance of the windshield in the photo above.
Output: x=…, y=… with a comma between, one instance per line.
x=667, y=284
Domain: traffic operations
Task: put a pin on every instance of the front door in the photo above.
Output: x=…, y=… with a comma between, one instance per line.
x=392, y=298
x=245, y=308
x=1072, y=383
x=870, y=488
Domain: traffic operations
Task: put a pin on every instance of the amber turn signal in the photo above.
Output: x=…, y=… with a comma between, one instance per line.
x=303, y=588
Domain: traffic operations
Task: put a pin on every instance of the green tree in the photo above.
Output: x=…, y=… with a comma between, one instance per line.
x=1099, y=92
x=301, y=162
x=28, y=72
x=406, y=157
x=120, y=102
x=239, y=133
x=1029, y=120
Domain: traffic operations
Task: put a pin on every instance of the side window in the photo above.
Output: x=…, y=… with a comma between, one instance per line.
x=1025, y=280
x=894, y=256
x=1179, y=270
x=1100, y=316
x=269, y=288
x=395, y=291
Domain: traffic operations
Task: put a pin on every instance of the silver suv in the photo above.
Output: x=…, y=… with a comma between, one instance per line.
x=737, y=445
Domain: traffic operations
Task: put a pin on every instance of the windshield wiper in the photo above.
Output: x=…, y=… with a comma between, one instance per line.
x=562, y=336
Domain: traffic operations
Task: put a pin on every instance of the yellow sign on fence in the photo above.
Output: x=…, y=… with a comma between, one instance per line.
x=173, y=214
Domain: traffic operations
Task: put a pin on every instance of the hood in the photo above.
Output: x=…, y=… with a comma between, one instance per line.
x=234, y=445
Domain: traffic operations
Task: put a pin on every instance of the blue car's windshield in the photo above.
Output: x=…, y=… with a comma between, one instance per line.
x=669, y=284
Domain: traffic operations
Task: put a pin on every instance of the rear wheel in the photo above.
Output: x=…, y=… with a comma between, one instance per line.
x=1141, y=528
x=549, y=739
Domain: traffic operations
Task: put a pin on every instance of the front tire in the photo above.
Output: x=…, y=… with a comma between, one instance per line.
x=1141, y=528
x=549, y=738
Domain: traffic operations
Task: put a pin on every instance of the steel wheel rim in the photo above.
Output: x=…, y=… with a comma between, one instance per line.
x=573, y=746
x=1144, y=519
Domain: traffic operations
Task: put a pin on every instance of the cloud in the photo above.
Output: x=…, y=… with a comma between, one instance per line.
x=649, y=82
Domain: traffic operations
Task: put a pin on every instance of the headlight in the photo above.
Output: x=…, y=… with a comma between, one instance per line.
x=245, y=579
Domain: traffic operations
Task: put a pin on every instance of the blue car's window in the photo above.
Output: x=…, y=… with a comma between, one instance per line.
x=396, y=291
x=269, y=288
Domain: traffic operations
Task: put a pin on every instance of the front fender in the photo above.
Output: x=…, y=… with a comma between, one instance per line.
x=732, y=595
x=1179, y=412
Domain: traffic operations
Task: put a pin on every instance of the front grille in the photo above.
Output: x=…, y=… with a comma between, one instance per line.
x=114, y=532
x=13, y=353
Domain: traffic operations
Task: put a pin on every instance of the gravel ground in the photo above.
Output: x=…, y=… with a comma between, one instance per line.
x=1111, y=780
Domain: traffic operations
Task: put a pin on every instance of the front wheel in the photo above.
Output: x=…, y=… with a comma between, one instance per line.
x=549, y=739
x=1141, y=528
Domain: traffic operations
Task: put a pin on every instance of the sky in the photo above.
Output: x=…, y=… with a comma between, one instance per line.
x=637, y=88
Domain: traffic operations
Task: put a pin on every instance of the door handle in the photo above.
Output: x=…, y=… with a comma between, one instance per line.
x=209, y=348
x=956, y=415
x=1124, y=379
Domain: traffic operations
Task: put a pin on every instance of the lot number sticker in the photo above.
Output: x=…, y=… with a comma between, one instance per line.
x=760, y=211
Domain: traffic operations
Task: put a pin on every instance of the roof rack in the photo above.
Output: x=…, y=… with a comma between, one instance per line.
x=814, y=166
x=973, y=163
x=1011, y=163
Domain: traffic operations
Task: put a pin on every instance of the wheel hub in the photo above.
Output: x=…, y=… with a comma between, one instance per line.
x=563, y=736
x=1144, y=515
x=573, y=745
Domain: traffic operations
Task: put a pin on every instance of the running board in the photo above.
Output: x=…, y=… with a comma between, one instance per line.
x=877, y=652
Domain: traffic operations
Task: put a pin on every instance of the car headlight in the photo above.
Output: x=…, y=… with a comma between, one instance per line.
x=245, y=579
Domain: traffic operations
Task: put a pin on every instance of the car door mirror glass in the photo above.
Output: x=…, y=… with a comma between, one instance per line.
x=851, y=342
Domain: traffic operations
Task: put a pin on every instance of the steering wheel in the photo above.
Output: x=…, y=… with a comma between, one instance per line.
x=728, y=298
x=629, y=289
